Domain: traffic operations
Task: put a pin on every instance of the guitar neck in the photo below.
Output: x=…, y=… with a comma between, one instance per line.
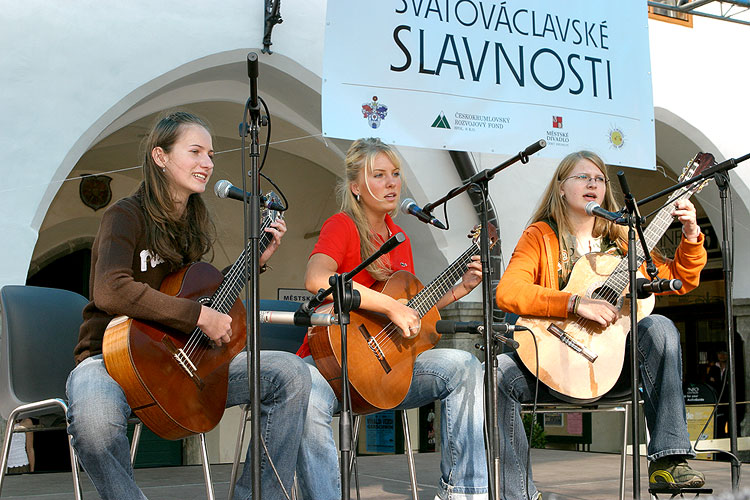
x=435, y=289
x=227, y=293
x=619, y=278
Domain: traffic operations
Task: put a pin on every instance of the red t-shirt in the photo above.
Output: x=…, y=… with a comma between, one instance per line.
x=339, y=240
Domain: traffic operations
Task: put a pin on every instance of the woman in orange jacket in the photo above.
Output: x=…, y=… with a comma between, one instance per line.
x=559, y=234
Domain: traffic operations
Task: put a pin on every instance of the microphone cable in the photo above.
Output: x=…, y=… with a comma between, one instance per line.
x=246, y=270
x=730, y=208
x=533, y=414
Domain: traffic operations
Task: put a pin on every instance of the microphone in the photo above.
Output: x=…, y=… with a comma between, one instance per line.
x=297, y=318
x=450, y=326
x=533, y=148
x=252, y=73
x=393, y=242
x=646, y=287
x=593, y=208
x=410, y=207
x=477, y=327
x=225, y=189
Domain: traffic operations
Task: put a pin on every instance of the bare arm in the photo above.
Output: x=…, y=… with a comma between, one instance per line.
x=469, y=281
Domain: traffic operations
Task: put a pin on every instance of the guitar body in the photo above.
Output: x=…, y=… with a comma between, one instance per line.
x=377, y=382
x=144, y=358
x=561, y=368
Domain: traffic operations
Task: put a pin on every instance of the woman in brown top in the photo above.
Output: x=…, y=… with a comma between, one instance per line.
x=164, y=226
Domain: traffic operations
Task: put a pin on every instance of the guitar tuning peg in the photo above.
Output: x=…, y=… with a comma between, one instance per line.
x=479, y=346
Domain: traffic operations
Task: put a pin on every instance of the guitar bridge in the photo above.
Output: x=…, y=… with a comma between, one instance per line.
x=572, y=343
x=184, y=361
x=375, y=348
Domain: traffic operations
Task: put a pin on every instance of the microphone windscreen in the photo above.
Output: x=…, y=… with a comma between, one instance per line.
x=221, y=188
x=445, y=326
x=406, y=204
x=590, y=206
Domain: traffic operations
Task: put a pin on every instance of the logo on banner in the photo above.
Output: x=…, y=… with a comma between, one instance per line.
x=616, y=137
x=374, y=112
x=470, y=122
x=557, y=136
x=441, y=121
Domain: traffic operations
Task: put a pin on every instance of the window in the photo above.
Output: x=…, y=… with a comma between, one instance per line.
x=671, y=16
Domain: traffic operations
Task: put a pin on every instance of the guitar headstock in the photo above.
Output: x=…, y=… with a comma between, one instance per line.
x=696, y=166
x=476, y=231
x=272, y=215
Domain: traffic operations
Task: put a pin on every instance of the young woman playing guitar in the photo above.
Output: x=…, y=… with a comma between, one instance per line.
x=370, y=193
x=560, y=233
x=141, y=240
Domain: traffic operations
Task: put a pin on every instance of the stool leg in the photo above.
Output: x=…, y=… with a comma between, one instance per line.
x=623, y=455
x=353, y=461
x=206, y=468
x=409, y=456
x=136, y=440
x=238, y=450
x=74, y=469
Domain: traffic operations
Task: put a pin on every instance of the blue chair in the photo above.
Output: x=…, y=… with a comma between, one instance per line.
x=39, y=331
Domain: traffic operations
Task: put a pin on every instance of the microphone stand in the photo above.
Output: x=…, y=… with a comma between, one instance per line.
x=480, y=182
x=634, y=222
x=346, y=299
x=252, y=267
x=720, y=174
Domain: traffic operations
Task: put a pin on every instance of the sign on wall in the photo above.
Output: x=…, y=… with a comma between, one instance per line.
x=492, y=76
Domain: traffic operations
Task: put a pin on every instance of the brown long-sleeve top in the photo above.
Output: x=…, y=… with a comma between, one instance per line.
x=529, y=286
x=125, y=280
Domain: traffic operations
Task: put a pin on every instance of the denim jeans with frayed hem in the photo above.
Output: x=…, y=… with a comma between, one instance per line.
x=660, y=359
x=98, y=417
x=454, y=377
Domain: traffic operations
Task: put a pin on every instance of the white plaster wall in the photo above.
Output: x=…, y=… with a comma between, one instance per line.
x=70, y=68
x=76, y=68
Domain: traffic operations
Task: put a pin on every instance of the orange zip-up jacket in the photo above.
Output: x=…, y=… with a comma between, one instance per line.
x=529, y=286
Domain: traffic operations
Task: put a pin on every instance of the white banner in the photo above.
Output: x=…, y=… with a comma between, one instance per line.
x=492, y=76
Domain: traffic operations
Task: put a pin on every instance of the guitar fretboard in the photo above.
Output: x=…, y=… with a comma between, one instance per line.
x=435, y=289
x=619, y=279
x=226, y=295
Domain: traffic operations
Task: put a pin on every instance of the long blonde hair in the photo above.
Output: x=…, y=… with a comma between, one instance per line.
x=554, y=207
x=179, y=240
x=360, y=158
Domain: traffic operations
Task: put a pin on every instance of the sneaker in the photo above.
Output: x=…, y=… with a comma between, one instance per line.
x=674, y=473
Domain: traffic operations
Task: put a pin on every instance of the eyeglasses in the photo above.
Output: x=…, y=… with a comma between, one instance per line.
x=585, y=179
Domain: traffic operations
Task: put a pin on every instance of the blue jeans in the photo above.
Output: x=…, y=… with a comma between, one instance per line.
x=454, y=377
x=98, y=420
x=660, y=359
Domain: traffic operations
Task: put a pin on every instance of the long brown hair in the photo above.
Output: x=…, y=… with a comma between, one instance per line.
x=178, y=239
x=554, y=207
x=360, y=157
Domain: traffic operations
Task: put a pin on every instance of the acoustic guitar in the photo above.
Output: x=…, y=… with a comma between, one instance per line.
x=578, y=358
x=174, y=382
x=381, y=360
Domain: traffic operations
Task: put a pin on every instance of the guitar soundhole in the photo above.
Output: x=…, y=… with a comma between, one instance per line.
x=606, y=293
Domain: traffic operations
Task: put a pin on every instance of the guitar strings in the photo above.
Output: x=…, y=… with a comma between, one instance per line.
x=417, y=300
x=661, y=222
x=428, y=297
x=198, y=342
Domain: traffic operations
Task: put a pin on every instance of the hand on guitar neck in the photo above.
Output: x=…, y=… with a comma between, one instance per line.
x=217, y=325
x=597, y=310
